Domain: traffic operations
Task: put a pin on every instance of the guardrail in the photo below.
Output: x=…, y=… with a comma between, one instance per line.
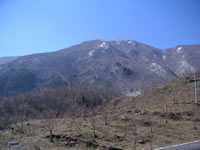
x=185, y=146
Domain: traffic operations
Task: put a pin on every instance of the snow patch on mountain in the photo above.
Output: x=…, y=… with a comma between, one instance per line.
x=103, y=45
x=184, y=67
x=145, y=59
x=164, y=57
x=91, y=53
x=158, y=69
x=131, y=43
x=115, y=69
x=179, y=49
x=130, y=51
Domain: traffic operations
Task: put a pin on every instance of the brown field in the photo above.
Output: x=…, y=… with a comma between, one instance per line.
x=165, y=115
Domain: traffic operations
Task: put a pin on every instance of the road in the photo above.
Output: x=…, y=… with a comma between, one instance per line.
x=186, y=146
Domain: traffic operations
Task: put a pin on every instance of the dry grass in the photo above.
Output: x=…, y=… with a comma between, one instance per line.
x=176, y=95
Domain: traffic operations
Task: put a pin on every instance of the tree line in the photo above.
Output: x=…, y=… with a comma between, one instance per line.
x=58, y=101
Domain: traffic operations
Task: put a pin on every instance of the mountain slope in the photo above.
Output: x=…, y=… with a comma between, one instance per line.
x=183, y=59
x=126, y=65
x=4, y=60
x=164, y=115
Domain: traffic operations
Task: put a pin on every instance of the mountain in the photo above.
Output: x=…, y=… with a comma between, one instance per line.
x=4, y=60
x=126, y=65
x=183, y=59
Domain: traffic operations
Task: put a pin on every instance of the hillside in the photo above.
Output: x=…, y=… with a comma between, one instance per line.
x=128, y=66
x=164, y=115
x=4, y=60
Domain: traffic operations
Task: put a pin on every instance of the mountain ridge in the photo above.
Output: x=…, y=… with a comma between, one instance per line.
x=4, y=60
x=126, y=65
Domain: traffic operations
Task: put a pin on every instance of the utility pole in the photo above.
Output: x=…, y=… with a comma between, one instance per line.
x=195, y=89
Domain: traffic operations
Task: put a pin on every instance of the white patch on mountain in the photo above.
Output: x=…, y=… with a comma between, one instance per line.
x=133, y=93
x=115, y=69
x=164, y=57
x=145, y=59
x=103, y=45
x=129, y=51
x=158, y=69
x=131, y=43
x=91, y=53
x=179, y=49
x=184, y=67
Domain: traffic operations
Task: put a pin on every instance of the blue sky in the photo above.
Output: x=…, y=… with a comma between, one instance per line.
x=34, y=26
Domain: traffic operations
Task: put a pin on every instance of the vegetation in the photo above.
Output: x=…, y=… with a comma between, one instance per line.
x=14, y=82
x=69, y=118
x=128, y=72
x=38, y=104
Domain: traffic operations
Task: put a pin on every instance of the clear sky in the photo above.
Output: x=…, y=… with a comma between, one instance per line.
x=33, y=26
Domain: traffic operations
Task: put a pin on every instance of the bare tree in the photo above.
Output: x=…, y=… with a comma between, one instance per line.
x=71, y=85
x=79, y=127
x=85, y=116
x=92, y=120
x=167, y=113
x=24, y=105
x=50, y=123
x=151, y=132
x=134, y=132
x=106, y=117
x=81, y=114
x=103, y=110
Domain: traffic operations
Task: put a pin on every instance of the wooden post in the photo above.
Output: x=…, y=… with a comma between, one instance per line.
x=195, y=89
